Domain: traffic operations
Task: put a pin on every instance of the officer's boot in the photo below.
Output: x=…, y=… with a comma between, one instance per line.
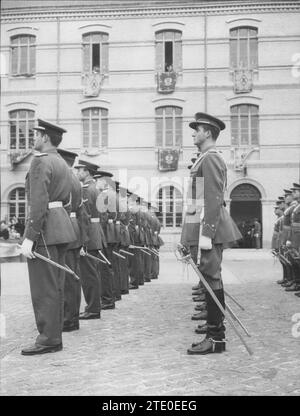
x=214, y=340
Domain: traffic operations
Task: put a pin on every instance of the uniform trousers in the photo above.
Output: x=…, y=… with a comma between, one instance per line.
x=47, y=294
x=124, y=271
x=72, y=290
x=147, y=266
x=210, y=267
x=91, y=282
x=107, y=277
x=136, y=267
x=116, y=286
x=155, y=266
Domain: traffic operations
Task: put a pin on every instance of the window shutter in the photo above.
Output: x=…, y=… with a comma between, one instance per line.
x=159, y=131
x=177, y=58
x=86, y=58
x=159, y=57
x=104, y=132
x=104, y=58
x=14, y=60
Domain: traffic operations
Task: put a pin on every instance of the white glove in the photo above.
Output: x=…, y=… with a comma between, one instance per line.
x=288, y=243
x=82, y=252
x=205, y=243
x=26, y=248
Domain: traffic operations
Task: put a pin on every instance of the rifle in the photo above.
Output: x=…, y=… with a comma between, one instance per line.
x=186, y=257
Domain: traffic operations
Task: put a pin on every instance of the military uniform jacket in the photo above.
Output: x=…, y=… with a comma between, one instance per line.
x=286, y=228
x=275, y=237
x=107, y=205
x=206, y=202
x=78, y=217
x=48, y=180
x=95, y=232
x=295, y=227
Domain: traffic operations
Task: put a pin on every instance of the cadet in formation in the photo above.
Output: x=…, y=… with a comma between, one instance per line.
x=83, y=232
x=207, y=229
x=286, y=238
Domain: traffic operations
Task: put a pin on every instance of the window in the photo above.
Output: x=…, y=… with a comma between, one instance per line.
x=21, y=123
x=23, y=55
x=244, y=125
x=168, y=50
x=168, y=126
x=170, y=206
x=17, y=204
x=95, y=127
x=243, y=48
x=95, y=52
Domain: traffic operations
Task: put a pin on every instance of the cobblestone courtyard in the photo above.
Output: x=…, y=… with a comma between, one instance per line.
x=140, y=347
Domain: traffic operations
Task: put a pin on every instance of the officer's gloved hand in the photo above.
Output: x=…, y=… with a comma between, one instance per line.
x=205, y=243
x=82, y=251
x=26, y=248
x=288, y=243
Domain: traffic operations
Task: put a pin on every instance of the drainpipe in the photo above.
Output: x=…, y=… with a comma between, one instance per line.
x=205, y=62
x=58, y=73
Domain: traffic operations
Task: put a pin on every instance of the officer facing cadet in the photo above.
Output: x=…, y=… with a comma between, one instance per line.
x=208, y=227
x=48, y=232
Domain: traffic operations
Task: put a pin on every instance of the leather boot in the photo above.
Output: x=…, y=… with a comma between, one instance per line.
x=207, y=346
x=215, y=318
x=200, y=307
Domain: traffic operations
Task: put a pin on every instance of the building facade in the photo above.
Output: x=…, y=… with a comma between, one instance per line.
x=125, y=79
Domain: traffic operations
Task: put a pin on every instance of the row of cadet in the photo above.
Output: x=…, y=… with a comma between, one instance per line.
x=118, y=243
x=286, y=238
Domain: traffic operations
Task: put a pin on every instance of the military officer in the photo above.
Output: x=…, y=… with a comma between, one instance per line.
x=107, y=205
x=134, y=229
x=90, y=270
x=72, y=290
x=208, y=226
x=48, y=231
x=295, y=233
x=290, y=204
x=124, y=239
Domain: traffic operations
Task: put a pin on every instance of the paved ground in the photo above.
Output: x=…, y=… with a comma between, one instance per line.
x=140, y=348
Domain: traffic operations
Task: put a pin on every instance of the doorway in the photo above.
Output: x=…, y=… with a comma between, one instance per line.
x=245, y=207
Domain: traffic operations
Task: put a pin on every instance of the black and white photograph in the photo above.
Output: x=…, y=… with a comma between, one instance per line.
x=150, y=201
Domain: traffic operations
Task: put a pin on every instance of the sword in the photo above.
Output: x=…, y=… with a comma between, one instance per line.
x=126, y=252
x=73, y=273
x=237, y=319
x=234, y=300
x=53, y=263
x=107, y=261
x=94, y=258
x=186, y=257
x=119, y=255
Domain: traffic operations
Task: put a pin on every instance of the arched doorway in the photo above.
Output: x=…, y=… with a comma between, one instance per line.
x=245, y=206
